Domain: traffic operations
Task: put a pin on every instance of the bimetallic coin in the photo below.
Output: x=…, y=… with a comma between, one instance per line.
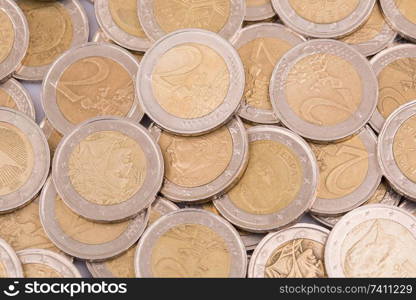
x=201, y=168
x=160, y=17
x=82, y=238
x=14, y=95
x=401, y=14
x=409, y=206
x=54, y=28
x=372, y=37
x=279, y=185
x=349, y=173
x=190, y=243
x=14, y=38
x=52, y=135
x=120, y=21
x=191, y=82
x=295, y=252
x=260, y=47
x=123, y=265
x=257, y=10
x=372, y=241
x=10, y=266
x=395, y=150
x=40, y=263
x=395, y=68
x=24, y=159
x=317, y=90
x=108, y=169
x=322, y=18
x=88, y=81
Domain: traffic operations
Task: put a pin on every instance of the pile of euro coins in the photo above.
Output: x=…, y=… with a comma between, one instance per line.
x=211, y=138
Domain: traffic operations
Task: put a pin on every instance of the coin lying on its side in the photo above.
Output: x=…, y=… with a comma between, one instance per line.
x=401, y=14
x=258, y=10
x=10, y=266
x=14, y=95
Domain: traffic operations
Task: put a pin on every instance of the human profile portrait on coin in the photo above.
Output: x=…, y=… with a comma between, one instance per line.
x=401, y=14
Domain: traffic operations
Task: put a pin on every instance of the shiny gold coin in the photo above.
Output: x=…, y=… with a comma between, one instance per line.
x=6, y=36
x=408, y=9
x=124, y=14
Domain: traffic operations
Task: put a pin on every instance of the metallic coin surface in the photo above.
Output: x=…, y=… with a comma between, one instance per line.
x=108, y=169
x=260, y=47
x=10, y=266
x=160, y=17
x=395, y=68
x=257, y=10
x=191, y=82
x=279, y=185
x=200, y=168
x=14, y=38
x=14, y=95
x=54, y=28
x=40, y=263
x=88, y=81
x=349, y=173
x=190, y=243
x=395, y=154
x=372, y=241
x=401, y=14
x=294, y=252
x=409, y=206
x=317, y=90
x=82, y=238
x=322, y=18
x=24, y=159
x=123, y=265
x=52, y=135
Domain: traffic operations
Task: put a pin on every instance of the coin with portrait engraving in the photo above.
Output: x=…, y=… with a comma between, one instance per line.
x=401, y=14
x=395, y=150
x=14, y=37
x=54, y=28
x=10, y=266
x=24, y=159
x=88, y=81
x=120, y=21
x=108, y=169
x=279, y=185
x=84, y=239
x=323, y=18
x=260, y=47
x=40, y=263
x=123, y=265
x=191, y=82
x=395, y=68
x=201, y=168
x=372, y=241
x=294, y=252
x=190, y=243
x=409, y=206
x=52, y=135
x=14, y=95
x=324, y=90
x=161, y=17
x=258, y=10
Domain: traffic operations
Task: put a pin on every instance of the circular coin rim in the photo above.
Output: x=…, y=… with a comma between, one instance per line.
x=20, y=96
x=397, y=21
x=259, y=13
x=10, y=261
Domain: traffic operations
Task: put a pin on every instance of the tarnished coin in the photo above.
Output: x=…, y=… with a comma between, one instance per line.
x=82, y=238
x=14, y=95
x=372, y=241
x=88, y=81
x=24, y=159
x=372, y=37
x=395, y=68
x=10, y=266
x=52, y=135
x=383, y=195
x=260, y=47
x=201, y=168
x=324, y=90
x=349, y=173
x=123, y=266
x=395, y=150
x=160, y=17
x=401, y=14
x=191, y=82
x=257, y=10
x=14, y=37
x=322, y=18
x=279, y=185
x=54, y=28
x=120, y=21
x=190, y=243
x=409, y=206
x=108, y=169
x=295, y=252
x=40, y=263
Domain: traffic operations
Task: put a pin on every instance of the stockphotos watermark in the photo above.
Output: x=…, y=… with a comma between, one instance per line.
x=71, y=289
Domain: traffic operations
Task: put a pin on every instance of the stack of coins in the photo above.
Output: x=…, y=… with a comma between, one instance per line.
x=226, y=138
